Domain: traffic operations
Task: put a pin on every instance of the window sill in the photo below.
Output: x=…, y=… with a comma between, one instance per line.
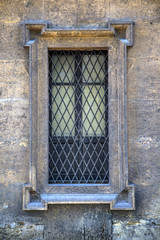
x=122, y=201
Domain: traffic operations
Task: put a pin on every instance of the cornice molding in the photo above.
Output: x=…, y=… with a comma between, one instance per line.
x=112, y=29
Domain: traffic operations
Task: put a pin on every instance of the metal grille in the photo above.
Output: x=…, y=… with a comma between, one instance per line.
x=78, y=117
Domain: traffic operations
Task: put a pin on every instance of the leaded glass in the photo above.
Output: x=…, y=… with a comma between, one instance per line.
x=78, y=117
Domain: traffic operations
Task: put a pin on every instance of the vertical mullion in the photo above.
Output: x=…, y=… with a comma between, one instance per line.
x=50, y=90
x=106, y=112
x=106, y=94
x=50, y=112
x=78, y=99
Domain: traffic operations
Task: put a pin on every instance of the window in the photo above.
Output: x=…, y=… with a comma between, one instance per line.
x=78, y=117
x=78, y=151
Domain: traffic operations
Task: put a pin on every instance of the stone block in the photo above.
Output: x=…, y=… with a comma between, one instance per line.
x=78, y=221
x=11, y=42
x=143, y=81
x=133, y=10
x=21, y=231
x=14, y=116
x=93, y=13
x=146, y=41
x=60, y=13
x=136, y=230
x=143, y=118
x=17, y=10
x=14, y=80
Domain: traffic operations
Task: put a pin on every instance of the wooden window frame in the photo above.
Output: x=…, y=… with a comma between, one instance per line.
x=116, y=37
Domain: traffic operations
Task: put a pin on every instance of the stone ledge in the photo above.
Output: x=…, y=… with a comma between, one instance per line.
x=122, y=201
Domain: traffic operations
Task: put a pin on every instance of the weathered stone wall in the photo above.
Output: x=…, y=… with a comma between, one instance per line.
x=87, y=221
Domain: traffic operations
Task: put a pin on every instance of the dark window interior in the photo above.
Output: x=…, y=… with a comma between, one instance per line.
x=78, y=117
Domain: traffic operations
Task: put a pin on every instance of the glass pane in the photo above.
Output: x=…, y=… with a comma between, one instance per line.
x=63, y=68
x=95, y=155
x=93, y=114
x=63, y=111
x=93, y=68
x=78, y=146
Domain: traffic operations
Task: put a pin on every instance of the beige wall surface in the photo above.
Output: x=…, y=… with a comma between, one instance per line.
x=143, y=94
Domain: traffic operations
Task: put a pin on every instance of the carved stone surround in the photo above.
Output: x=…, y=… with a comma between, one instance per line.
x=116, y=37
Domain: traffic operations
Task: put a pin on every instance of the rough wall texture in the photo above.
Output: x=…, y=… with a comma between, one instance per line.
x=95, y=221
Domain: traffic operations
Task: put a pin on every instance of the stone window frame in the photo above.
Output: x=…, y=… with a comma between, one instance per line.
x=39, y=39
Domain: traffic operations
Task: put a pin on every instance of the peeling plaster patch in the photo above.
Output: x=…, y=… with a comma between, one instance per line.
x=134, y=222
x=23, y=144
x=10, y=21
x=13, y=99
x=146, y=142
x=141, y=181
x=5, y=205
x=134, y=230
x=21, y=230
x=5, y=184
x=10, y=173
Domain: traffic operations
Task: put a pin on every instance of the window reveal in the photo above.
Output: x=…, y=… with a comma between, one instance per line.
x=78, y=117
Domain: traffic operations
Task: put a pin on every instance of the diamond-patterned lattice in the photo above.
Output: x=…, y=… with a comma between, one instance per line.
x=78, y=117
